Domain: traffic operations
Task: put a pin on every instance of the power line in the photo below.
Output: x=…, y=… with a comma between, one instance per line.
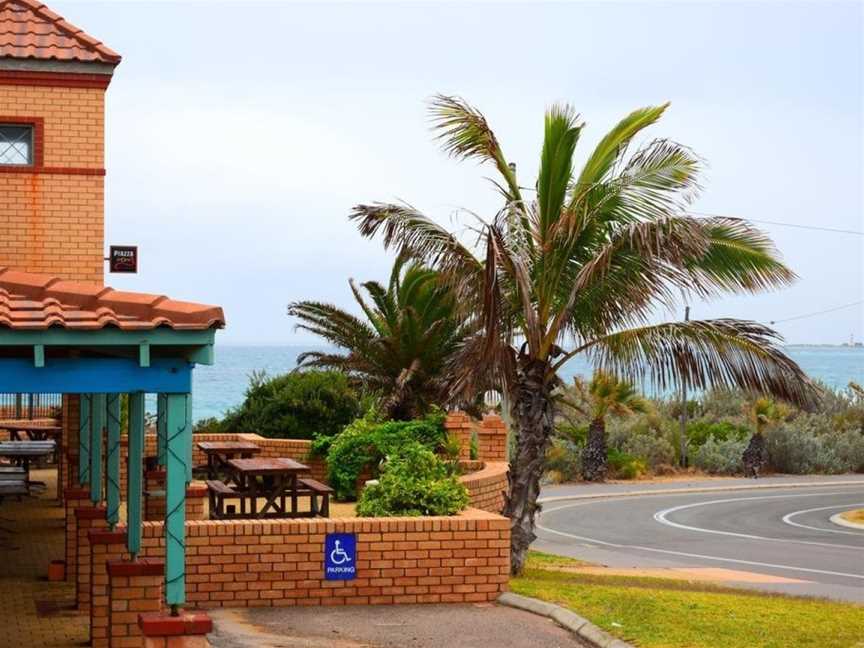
x=795, y=225
x=822, y=312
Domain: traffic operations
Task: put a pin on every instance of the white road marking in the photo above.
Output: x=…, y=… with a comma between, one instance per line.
x=702, y=556
x=660, y=517
x=788, y=519
x=739, y=561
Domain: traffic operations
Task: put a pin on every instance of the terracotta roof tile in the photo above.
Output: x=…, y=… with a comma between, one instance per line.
x=30, y=30
x=36, y=302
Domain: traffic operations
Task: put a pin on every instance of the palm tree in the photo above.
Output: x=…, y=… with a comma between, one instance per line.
x=762, y=412
x=580, y=269
x=603, y=395
x=399, y=352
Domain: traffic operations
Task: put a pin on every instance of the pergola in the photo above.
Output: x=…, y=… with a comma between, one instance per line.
x=74, y=338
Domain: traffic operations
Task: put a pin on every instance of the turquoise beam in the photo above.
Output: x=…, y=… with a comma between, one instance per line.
x=161, y=400
x=84, y=435
x=177, y=434
x=112, y=461
x=97, y=429
x=134, y=474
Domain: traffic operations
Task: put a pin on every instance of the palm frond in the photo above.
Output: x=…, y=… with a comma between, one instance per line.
x=724, y=353
x=740, y=258
x=556, y=164
x=464, y=133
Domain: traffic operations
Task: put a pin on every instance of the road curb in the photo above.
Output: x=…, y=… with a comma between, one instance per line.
x=699, y=489
x=840, y=521
x=576, y=624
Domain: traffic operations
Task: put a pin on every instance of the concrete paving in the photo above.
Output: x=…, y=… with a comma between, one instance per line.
x=750, y=534
x=395, y=626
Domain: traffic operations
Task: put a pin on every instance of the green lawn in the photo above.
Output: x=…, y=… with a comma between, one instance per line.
x=662, y=613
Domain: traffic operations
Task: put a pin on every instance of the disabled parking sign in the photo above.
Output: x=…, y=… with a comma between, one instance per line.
x=340, y=556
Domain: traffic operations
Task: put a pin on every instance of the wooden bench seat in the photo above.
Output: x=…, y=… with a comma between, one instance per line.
x=218, y=492
x=317, y=489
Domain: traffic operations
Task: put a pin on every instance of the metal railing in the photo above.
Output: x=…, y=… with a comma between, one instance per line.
x=30, y=406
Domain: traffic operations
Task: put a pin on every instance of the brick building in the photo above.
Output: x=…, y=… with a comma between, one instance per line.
x=53, y=79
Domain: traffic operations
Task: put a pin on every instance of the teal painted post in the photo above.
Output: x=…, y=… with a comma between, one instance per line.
x=134, y=473
x=177, y=436
x=187, y=443
x=97, y=426
x=161, y=400
x=112, y=462
x=84, y=435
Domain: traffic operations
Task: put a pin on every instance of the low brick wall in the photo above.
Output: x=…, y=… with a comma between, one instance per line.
x=242, y=563
x=488, y=486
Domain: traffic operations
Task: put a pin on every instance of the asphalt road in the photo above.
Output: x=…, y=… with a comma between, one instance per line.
x=778, y=539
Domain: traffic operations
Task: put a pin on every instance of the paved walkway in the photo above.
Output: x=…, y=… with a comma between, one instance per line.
x=394, y=626
x=31, y=608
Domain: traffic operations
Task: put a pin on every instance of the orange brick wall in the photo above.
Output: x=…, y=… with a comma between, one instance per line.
x=240, y=563
x=488, y=486
x=53, y=221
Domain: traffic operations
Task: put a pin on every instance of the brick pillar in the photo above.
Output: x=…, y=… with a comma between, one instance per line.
x=187, y=630
x=67, y=469
x=105, y=547
x=492, y=439
x=196, y=498
x=459, y=424
x=154, y=495
x=87, y=519
x=133, y=588
x=74, y=498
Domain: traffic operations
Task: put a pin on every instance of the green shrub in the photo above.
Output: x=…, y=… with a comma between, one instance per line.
x=298, y=405
x=700, y=430
x=563, y=461
x=809, y=444
x=654, y=451
x=625, y=466
x=414, y=481
x=365, y=443
x=210, y=425
x=720, y=457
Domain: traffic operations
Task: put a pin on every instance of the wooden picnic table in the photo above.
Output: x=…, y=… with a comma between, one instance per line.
x=35, y=431
x=271, y=479
x=219, y=453
x=24, y=452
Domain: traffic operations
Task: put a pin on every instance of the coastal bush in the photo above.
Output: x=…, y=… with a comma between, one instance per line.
x=563, y=461
x=700, y=430
x=810, y=444
x=720, y=457
x=625, y=466
x=363, y=444
x=297, y=405
x=654, y=451
x=209, y=425
x=414, y=481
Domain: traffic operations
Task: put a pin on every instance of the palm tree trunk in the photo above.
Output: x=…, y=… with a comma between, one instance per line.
x=755, y=456
x=595, y=456
x=533, y=408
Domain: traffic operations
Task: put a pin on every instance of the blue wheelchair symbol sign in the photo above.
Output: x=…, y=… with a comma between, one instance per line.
x=340, y=556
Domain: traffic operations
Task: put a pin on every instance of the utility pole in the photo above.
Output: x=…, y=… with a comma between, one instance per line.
x=683, y=416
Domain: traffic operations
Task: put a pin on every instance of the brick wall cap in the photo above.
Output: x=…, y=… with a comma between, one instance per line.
x=90, y=512
x=162, y=624
x=142, y=567
x=101, y=536
x=196, y=490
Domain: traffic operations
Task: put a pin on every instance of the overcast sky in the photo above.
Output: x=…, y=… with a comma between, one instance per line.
x=240, y=134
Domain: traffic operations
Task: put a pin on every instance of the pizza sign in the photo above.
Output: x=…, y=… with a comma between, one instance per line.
x=123, y=258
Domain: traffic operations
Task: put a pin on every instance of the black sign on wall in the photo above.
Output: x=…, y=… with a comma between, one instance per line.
x=123, y=258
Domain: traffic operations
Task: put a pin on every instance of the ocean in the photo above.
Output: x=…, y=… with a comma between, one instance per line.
x=222, y=385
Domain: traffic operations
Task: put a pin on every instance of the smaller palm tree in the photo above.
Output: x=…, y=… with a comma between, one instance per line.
x=762, y=412
x=400, y=351
x=603, y=395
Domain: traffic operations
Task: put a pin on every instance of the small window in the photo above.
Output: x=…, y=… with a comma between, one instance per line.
x=16, y=145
